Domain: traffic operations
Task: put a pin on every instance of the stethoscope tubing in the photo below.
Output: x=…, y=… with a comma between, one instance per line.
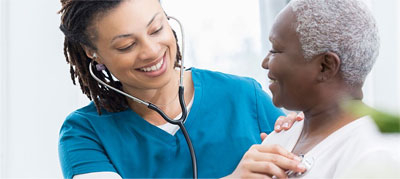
x=180, y=122
x=182, y=48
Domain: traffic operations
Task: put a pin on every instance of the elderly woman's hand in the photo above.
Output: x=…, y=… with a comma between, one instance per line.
x=265, y=161
x=286, y=122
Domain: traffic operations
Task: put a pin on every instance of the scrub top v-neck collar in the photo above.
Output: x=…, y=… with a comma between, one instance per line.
x=142, y=125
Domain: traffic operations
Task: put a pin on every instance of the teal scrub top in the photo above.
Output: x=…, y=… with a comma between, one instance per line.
x=227, y=116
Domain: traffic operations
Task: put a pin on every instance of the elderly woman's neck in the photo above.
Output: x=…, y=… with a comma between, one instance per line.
x=329, y=115
x=319, y=123
x=324, y=119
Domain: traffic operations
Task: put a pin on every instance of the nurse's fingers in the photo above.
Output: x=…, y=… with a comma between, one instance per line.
x=253, y=176
x=263, y=136
x=300, y=116
x=286, y=122
x=276, y=149
x=275, y=155
x=278, y=123
x=289, y=121
x=265, y=169
x=281, y=162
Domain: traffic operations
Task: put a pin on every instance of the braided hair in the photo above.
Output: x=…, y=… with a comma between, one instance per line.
x=77, y=17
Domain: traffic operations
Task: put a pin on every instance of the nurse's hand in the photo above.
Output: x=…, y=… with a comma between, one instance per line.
x=286, y=122
x=265, y=161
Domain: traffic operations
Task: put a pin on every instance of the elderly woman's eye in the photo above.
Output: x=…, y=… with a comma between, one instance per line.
x=273, y=51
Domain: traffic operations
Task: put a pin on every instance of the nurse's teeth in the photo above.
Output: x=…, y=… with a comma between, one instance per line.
x=154, y=67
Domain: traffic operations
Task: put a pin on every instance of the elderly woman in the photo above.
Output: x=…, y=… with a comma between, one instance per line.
x=324, y=48
x=322, y=51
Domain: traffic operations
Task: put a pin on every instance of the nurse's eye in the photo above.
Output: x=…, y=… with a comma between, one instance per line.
x=126, y=48
x=157, y=31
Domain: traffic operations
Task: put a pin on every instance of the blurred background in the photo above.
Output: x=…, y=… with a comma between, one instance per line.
x=36, y=92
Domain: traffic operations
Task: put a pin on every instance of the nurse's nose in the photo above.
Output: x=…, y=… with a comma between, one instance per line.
x=149, y=50
x=265, y=62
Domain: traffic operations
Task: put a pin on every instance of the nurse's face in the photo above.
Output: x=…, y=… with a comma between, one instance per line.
x=135, y=42
x=292, y=77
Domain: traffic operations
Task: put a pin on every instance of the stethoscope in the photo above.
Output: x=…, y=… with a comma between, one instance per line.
x=151, y=106
x=306, y=161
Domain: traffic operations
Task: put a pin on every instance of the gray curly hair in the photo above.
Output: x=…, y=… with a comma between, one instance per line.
x=345, y=27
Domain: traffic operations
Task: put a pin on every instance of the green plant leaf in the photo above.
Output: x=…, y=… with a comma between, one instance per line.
x=387, y=123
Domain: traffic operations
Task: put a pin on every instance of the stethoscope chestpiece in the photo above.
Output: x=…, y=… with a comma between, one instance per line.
x=307, y=162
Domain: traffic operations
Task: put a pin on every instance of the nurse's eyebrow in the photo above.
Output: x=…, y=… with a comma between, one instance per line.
x=128, y=35
x=152, y=19
x=121, y=36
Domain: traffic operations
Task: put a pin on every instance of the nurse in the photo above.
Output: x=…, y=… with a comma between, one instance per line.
x=115, y=137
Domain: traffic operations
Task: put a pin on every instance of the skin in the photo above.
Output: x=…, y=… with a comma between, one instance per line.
x=315, y=87
x=265, y=161
x=286, y=122
x=292, y=91
x=125, y=47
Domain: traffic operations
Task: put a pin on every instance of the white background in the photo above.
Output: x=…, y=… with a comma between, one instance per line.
x=36, y=92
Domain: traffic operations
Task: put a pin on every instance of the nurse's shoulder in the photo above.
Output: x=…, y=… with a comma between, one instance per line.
x=87, y=119
x=88, y=112
x=224, y=80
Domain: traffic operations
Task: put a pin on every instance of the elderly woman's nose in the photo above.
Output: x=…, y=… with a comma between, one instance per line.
x=265, y=62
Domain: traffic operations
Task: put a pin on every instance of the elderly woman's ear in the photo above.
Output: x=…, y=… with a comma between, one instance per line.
x=329, y=66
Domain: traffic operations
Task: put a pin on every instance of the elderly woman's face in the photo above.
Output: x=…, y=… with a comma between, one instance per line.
x=136, y=44
x=292, y=77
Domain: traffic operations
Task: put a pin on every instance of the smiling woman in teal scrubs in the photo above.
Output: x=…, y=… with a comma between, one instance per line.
x=120, y=138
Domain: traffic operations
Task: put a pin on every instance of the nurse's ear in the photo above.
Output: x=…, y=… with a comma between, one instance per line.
x=329, y=63
x=91, y=54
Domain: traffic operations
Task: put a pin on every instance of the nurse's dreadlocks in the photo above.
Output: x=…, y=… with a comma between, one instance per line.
x=76, y=24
